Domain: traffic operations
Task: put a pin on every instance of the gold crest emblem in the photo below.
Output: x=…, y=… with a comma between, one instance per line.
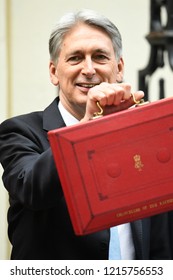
x=138, y=162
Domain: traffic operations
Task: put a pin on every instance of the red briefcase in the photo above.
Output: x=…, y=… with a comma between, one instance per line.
x=117, y=168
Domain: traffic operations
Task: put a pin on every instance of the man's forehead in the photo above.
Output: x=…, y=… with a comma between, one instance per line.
x=86, y=29
x=83, y=38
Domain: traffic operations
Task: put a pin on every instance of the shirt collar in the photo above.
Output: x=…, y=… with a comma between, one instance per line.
x=67, y=117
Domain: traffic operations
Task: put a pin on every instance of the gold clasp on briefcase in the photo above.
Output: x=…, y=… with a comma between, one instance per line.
x=99, y=113
x=138, y=102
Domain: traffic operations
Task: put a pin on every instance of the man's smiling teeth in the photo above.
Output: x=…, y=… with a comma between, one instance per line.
x=87, y=85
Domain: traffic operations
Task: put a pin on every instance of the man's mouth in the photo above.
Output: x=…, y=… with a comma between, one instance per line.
x=86, y=85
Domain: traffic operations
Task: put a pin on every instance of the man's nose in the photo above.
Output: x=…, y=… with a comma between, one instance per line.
x=88, y=68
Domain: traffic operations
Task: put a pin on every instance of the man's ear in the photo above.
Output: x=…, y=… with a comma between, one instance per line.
x=120, y=71
x=53, y=73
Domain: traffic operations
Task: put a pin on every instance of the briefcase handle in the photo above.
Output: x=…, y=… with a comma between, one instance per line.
x=100, y=112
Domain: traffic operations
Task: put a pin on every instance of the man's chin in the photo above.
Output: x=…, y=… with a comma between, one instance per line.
x=82, y=99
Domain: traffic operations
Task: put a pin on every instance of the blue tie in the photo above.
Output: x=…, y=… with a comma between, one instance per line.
x=114, y=245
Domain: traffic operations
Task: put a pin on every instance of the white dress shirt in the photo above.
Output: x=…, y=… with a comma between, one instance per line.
x=127, y=250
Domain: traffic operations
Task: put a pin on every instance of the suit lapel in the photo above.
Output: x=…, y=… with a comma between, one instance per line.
x=52, y=118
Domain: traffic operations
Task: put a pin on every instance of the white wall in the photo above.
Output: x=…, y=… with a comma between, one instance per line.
x=25, y=26
x=4, y=244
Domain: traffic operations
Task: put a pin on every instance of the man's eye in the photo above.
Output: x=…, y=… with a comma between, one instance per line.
x=101, y=57
x=74, y=59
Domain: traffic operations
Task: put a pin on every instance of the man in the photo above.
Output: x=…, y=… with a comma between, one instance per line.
x=86, y=65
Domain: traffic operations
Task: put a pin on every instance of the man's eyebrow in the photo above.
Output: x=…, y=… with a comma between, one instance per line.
x=102, y=51
x=74, y=52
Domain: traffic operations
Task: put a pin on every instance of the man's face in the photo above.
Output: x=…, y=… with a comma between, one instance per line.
x=86, y=59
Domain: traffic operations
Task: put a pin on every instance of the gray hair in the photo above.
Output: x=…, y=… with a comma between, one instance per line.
x=68, y=21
